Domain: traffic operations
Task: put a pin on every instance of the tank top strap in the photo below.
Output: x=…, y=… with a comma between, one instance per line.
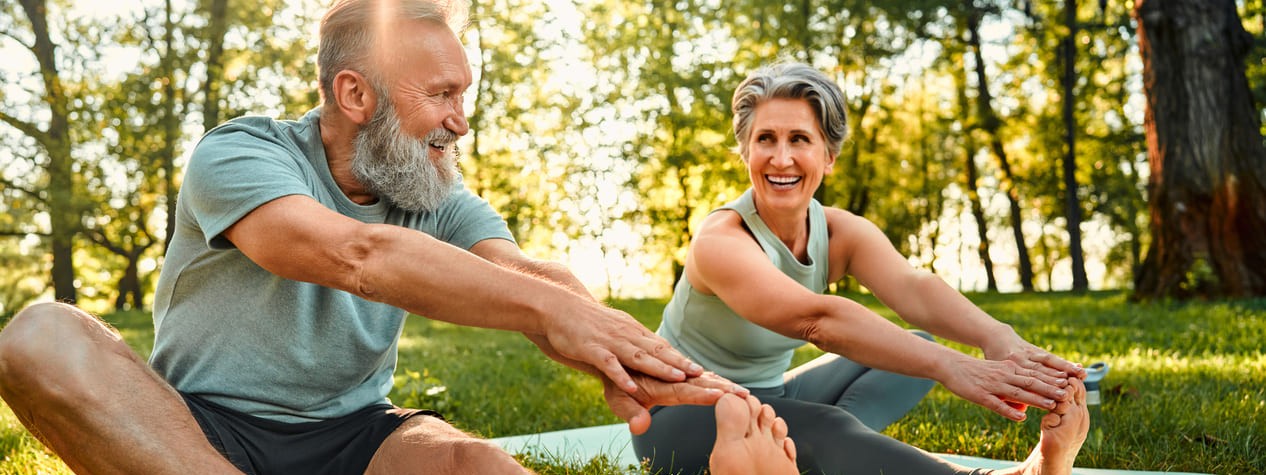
x=812, y=275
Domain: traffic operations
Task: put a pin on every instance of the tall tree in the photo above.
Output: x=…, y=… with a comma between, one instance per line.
x=971, y=177
x=992, y=124
x=1072, y=205
x=57, y=194
x=1207, y=188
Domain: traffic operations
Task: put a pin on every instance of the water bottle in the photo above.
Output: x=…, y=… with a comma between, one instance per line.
x=1094, y=375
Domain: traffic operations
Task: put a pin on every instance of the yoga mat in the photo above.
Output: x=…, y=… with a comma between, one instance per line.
x=585, y=443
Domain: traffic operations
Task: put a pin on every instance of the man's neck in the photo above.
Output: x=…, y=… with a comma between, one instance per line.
x=337, y=136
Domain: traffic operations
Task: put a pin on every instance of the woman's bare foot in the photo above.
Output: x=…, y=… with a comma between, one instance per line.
x=1063, y=431
x=750, y=440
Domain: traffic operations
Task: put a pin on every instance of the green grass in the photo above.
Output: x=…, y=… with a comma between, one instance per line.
x=1187, y=389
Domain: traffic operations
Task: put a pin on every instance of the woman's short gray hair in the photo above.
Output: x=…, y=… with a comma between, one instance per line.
x=791, y=80
x=348, y=32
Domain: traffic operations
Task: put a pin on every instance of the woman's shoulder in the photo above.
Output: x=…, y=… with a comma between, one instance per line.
x=722, y=220
x=840, y=217
x=843, y=224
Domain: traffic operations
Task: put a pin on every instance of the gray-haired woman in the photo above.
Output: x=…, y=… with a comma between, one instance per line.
x=753, y=288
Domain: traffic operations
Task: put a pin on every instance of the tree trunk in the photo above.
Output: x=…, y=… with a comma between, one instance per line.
x=990, y=122
x=1072, y=204
x=171, y=125
x=1207, y=189
x=858, y=177
x=63, y=215
x=130, y=286
x=217, y=25
x=972, y=179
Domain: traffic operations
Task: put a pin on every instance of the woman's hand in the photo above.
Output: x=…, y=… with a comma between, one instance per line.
x=1004, y=386
x=1010, y=347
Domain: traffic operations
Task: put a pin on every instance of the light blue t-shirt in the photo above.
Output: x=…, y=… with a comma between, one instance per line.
x=234, y=333
x=707, y=331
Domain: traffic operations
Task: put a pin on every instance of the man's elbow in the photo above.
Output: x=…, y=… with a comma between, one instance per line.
x=354, y=261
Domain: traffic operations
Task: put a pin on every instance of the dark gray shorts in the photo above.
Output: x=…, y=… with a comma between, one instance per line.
x=258, y=446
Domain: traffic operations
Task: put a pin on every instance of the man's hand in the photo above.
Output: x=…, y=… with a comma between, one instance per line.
x=585, y=331
x=632, y=407
x=614, y=343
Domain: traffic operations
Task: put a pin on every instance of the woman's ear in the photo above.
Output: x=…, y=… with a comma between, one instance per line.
x=354, y=96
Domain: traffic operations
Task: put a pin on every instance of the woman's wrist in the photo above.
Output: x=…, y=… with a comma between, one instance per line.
x=1001, y=338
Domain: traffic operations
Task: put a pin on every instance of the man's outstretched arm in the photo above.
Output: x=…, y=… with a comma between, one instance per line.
x=297, y=238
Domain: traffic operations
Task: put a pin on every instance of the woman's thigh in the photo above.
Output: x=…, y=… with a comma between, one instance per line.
x=830, y=440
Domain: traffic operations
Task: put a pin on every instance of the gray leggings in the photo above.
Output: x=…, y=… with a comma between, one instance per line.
x=834, y=409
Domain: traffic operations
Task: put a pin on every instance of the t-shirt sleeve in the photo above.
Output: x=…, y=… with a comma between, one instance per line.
x=233, y=170
x=465, y=219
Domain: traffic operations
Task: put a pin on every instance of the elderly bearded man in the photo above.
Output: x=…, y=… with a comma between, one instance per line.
x=300, y=246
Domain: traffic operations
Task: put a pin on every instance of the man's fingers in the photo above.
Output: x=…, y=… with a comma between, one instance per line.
x=626, y=407
x=610, y=366
x=703, y=390
x=653, y=356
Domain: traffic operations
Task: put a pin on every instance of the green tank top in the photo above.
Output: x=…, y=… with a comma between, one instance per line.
x=705, y=329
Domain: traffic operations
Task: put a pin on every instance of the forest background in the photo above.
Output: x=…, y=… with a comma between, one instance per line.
x=601, y=131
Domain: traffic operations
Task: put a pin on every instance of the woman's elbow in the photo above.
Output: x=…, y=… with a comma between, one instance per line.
x=810, y=329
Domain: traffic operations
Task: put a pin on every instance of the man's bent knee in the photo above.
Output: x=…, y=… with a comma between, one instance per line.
x=446, y=449
x=484, y=455
x=44, y=336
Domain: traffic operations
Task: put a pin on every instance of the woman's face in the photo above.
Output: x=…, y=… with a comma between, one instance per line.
x=787, y=155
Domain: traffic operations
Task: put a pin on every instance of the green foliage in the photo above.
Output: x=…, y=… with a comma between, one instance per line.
x=600, y=119
x=126, y=128
x=23, y=454
x=546, y=463
x=421, y=389
x=1200, y=277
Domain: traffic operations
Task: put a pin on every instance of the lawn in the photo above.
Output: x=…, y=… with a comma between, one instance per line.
x=1186, y=392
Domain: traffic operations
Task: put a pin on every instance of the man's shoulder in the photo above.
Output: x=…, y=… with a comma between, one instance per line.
x=264, y=127
x=257, y=133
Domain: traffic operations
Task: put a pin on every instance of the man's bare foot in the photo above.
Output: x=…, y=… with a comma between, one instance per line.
x=751, y=440
x=1063, y=431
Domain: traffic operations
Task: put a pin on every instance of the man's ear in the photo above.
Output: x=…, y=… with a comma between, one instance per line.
x=354, y=97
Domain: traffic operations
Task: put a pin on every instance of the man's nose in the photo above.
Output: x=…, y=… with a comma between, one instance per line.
x=457, y=123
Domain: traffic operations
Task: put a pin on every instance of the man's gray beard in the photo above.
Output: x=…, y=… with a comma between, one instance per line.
x=398, y=168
